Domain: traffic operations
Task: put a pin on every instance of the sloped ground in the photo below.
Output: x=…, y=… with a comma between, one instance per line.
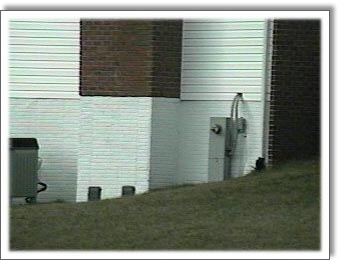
x=277, y=209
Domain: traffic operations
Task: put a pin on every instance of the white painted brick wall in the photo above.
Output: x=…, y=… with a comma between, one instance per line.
x=120, y=142
x=193, y=127
x=164, y=142
x=180, y=139
x=114, y=144
x=55, y=123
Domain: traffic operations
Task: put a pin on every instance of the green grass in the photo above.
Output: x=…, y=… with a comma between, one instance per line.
x=277, y=209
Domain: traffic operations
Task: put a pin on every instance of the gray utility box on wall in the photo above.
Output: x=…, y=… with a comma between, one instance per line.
x=23, y=167
x=219, y=148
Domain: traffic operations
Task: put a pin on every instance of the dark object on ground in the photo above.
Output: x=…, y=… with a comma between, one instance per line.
x=94, y=193
x=260, y=164
x=128, y=190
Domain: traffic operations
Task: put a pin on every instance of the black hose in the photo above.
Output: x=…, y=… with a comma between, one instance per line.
x=43, y=188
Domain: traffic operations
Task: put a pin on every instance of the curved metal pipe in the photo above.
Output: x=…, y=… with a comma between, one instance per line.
x=234, y=108
x=235, y=102
x=233, y=105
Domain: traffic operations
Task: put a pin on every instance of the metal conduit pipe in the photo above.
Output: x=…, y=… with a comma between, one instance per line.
x=233, y=105
x=234, y=108
x=235, y=126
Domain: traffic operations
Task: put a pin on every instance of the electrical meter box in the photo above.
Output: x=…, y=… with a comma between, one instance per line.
x=219, y=148
x=241, y=125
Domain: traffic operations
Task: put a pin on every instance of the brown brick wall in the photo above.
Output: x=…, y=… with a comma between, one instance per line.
x=294, y=131
x=130, y=58
x=167, y=58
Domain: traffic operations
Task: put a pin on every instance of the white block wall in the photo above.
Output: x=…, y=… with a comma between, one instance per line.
x=55, y=123
x=164, y=142
x=193, y=128
x=114, y=145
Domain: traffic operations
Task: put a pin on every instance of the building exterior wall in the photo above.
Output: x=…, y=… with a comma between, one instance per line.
x=114, y=147
x=116, y=57
x=164, y=142
x=220, y=58
x=223, y=57
x=166, y=57
x=122, y=59
x=193, y=130
x=44, y=99
x=44, y=58
x=130, y=58
x=146, y=98
x=55, y=123
x=295, y=91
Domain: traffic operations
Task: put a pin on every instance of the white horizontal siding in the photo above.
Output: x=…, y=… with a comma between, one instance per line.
x=44, y=25
x=44, y=34
x=43, y=94
x=62, y=57
x=216, y=88
x=46, y=20
x=222, y=65
x=44, y=58
x=15, y=64
x=219, y=34
x=221, y=81
x=221, y=58
x=43, y=49
x=44, y=72
x=222, y=26
x=42, y=87
x=226, y=42
x=215, y=73
x=223, y=50
x=219, y=96
x=230, y=57
x=44, y=41
x=44, y=80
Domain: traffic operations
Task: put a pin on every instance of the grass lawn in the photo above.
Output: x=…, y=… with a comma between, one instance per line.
x=277, y=209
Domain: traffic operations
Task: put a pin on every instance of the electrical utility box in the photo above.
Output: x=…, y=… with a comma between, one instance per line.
x=219, y=148
x=23, y=167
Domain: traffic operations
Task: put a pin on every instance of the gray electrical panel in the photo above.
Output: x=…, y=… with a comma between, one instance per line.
x=219, y=148
x=24, y=167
